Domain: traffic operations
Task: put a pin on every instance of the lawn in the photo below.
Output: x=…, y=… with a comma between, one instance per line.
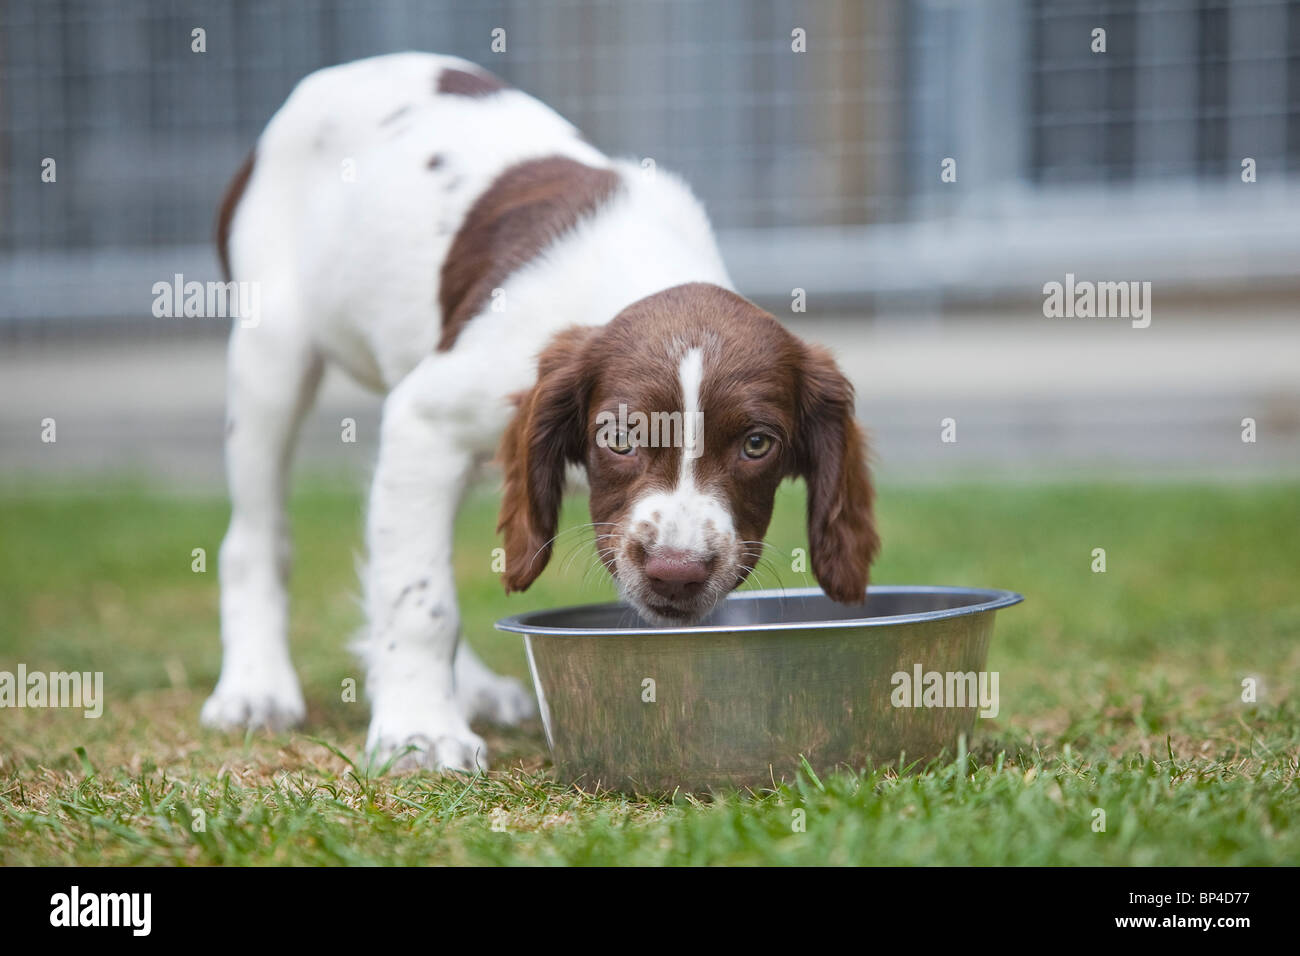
x=1120, y=691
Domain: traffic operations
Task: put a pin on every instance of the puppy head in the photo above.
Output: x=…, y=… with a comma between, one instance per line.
x=686, y=411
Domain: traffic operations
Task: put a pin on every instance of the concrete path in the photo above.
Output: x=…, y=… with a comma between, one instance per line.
x=1029, y=398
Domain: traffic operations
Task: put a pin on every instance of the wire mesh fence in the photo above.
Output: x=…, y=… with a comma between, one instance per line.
x=811, y=130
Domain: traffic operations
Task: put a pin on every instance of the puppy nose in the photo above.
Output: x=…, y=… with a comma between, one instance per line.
x=676, y=574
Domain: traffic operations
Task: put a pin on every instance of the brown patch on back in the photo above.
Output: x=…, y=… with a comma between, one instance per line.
x=526, y=208
x=226, y=212
x=456, y=82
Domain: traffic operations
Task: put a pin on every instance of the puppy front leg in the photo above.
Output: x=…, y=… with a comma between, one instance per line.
x=413, y=620
x=272, y=379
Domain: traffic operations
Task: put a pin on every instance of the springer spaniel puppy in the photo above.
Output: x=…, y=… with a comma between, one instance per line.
x=459, y=247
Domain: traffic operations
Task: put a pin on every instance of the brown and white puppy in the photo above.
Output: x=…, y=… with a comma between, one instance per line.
x=458, y=246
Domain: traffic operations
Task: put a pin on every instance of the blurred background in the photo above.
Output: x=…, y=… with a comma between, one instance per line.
x=822, y=170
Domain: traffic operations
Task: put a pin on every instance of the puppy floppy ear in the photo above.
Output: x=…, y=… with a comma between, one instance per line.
x=547, y=431
x=831, y=457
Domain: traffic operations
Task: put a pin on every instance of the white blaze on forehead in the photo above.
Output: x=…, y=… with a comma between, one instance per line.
x=690, y=373
x=686, y=518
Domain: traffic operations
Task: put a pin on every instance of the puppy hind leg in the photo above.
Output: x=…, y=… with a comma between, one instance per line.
x=486, y=695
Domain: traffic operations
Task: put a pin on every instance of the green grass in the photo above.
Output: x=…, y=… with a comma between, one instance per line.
x=1120, y=692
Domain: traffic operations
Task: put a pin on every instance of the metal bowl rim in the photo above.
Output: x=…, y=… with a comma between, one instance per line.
x=994, y=599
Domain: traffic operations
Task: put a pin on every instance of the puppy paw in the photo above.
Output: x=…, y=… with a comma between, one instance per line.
x=270, y=704
x=503, y=700
x=452, y=746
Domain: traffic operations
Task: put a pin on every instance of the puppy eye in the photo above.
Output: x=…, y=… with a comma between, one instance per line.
x=756, y=445
x=620, y=445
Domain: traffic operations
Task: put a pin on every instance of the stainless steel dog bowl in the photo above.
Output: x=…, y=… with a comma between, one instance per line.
x=769, y=677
